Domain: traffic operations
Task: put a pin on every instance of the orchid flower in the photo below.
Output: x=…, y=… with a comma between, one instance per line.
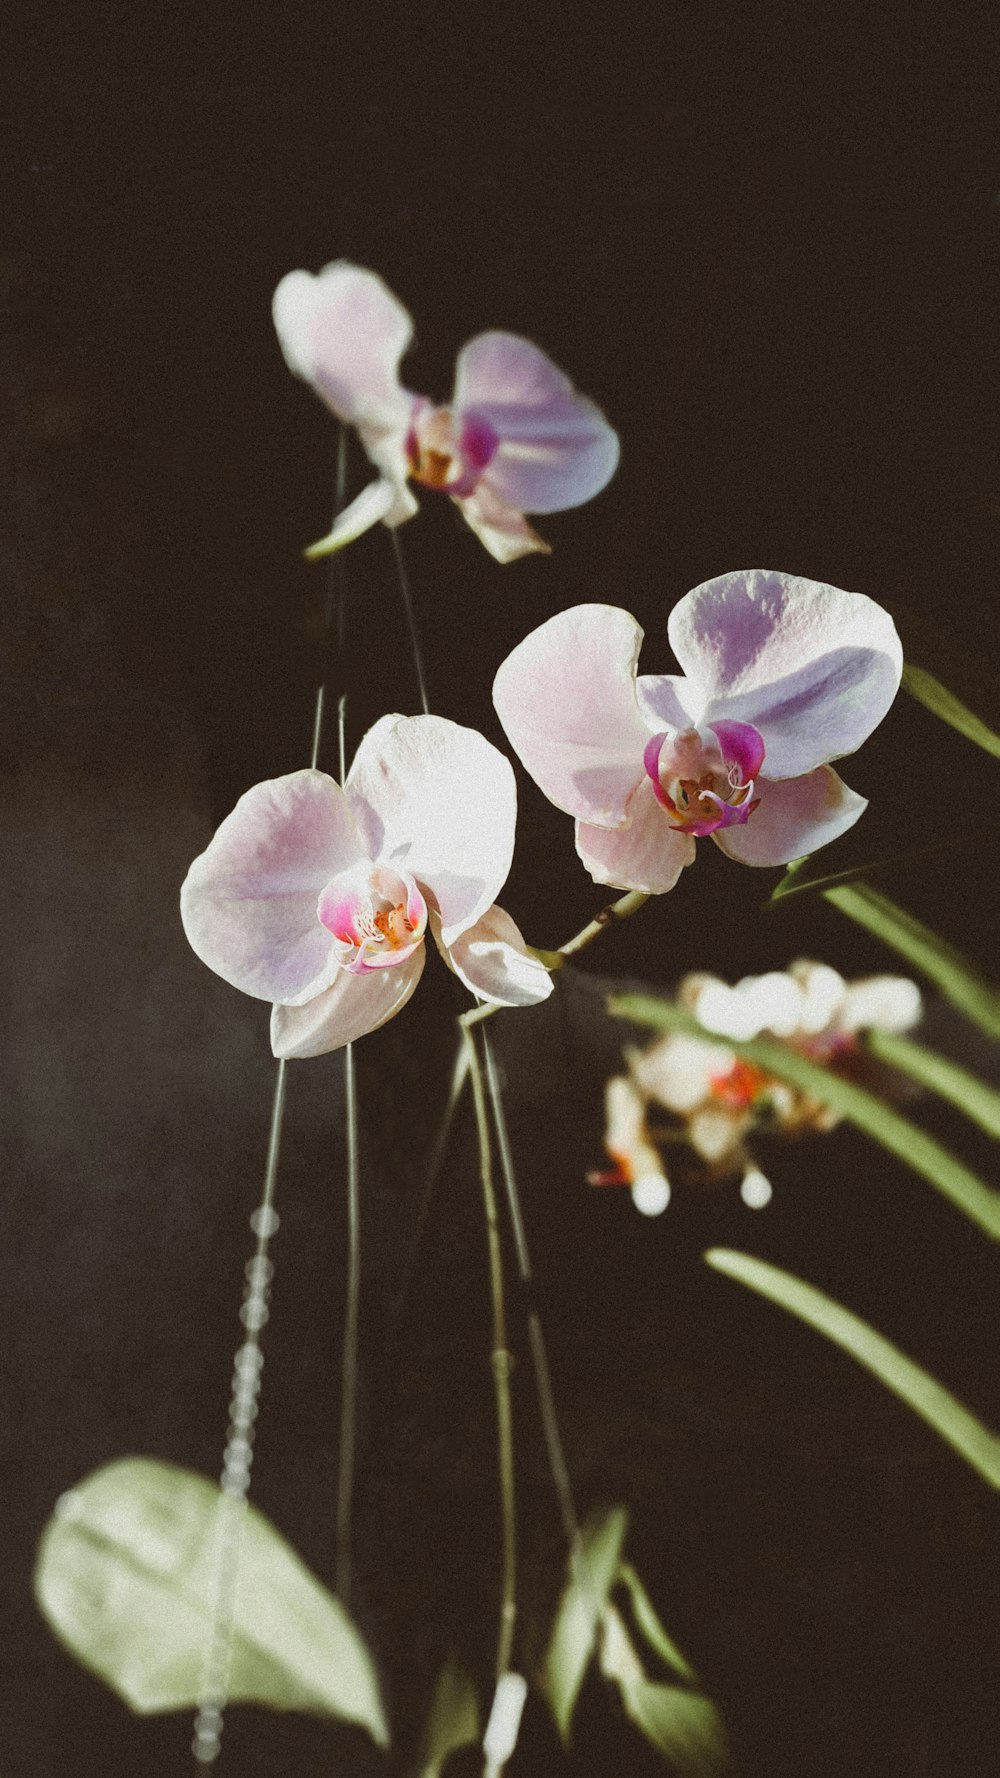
x=781, y=675
x=517, y=437
x=715, y=1097
x=319, y=898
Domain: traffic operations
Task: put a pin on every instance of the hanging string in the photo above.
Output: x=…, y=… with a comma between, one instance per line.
x=404, y=588
x=254, y=1312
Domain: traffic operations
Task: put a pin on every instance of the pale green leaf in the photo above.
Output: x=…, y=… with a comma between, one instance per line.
x=923, y=1393
x=978, y=1101
x=683, y=1724
x=453, y=1721
x=943, y=703
x=126, y=1577
x=592, y=1574
x=650, y=1626
x=958, y=981
x=878, y=1120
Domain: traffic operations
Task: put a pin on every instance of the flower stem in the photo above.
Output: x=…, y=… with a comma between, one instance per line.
x=539, y=1355
x=501, y=1362
x=349, y=1370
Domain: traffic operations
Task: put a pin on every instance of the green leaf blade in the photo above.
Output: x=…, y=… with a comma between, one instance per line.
x=979, y=1102
x=973, y=1441
x=943, y=704
x=453, y=1721
x=571, y=1645
x=126, y=1577
x=958, y=981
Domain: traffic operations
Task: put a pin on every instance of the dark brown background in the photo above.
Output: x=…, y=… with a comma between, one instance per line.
x=767, y=244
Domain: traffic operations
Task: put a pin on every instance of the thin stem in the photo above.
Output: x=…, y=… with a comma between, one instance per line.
x=539, y=1355
x=404, y=588
x=349, y=1389
x=501, y=1361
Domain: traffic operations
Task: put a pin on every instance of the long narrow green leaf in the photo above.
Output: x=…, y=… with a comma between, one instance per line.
x=958, y=981
x=923, y=1393
x=127, y=1578
x=572, y=1642
x=979, y=1102
x=805, y=876
x=877, y=1119
x=943, y=703
x=682, y=1724
x=647, y=1621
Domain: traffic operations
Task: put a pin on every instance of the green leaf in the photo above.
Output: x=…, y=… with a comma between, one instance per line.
x=453, y=1720
x=979, y=1102
x=592, y=1574
x=943, y=703
x=126, y=1577
x=649, y=1624
x=684, y=1725
x=958, y=981
x=878, y=1120
x=921, y=1392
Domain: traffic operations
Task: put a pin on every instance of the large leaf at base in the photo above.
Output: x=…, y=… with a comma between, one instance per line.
x=126, y=1578
x=683, y=1724
x=592, y=1576
x=453, y=1721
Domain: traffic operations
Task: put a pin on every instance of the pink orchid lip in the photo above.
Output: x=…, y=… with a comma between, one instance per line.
x=376, y=916
x=434, y=452
x=740, y=756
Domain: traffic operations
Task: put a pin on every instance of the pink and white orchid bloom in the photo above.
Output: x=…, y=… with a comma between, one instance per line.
x=318, y=898
x=517, y=438
x=780, y=676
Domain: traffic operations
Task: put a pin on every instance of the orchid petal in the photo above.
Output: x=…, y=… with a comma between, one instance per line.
x=648, y=854
x=555, y=448
x=503, y=530
x=667, y=701
x=566, y=699
x=344, y=332
x=438, y=801
x=493, y=961
x=249, y=902
x=813, y=667
x=375, y=502
x=742, y=745
x=794, y=816
x=353, y=1006
x=679, y=1070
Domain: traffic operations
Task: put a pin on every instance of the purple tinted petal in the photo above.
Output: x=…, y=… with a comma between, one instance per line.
x=556, y=449
x=794, y=816
x=742, y=746
x=667, y=701
x=566, y=699
x=648, y=854
x=477, y=442
x=812, y=667
x=249, y=902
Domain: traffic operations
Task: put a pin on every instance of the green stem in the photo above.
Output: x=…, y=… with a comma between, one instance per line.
x=501, y=1361
x=921, y=1392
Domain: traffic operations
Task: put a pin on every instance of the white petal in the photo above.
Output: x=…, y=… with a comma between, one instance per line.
x=678, y=1071
x=353, y=1006
x=812, y=667
x=438, y=801
x=249, y=902
x=492, y=959
x=566, y=699
x=646, y=854
x=375, y=502
x=503, y=530
x=880, y=1003
x=556, y=449
x=344, y=332
x=795, y=816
